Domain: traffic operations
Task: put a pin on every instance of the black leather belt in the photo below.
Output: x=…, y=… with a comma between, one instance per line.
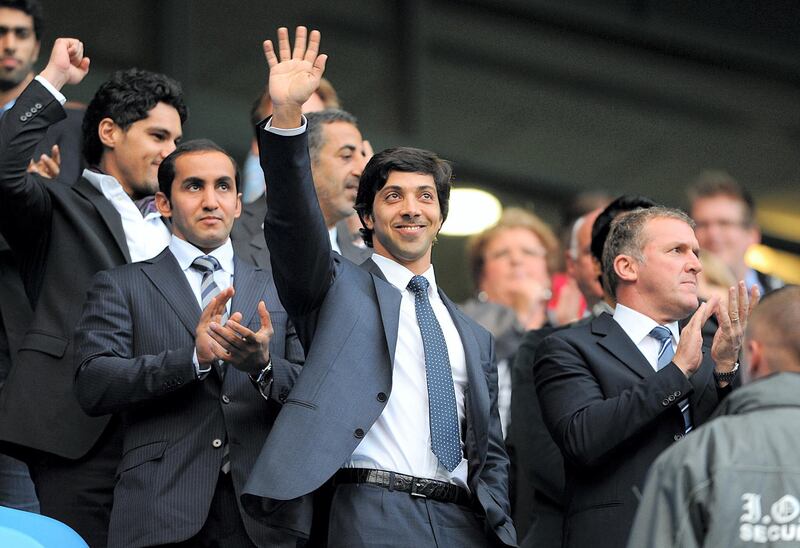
x=416, y=487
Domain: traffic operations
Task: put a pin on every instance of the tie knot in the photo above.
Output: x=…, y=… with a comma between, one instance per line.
x=419, y=285
x=206, y=263
x=661, y=334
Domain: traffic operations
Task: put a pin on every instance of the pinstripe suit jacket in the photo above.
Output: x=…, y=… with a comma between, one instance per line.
x=134, y=347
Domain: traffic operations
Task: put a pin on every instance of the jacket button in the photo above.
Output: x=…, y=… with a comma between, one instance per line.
x=359, y=433
x=381, y=397
x=665, y=402
x=217, y=443
x=38, y=105
x=676, y=437
x=677, y=393
x=225, y=399
x=671, y=397
x=23, y=118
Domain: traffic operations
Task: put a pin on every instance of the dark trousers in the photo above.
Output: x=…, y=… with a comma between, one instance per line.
x=223, y=527
x=365, y=515
x=80, y=492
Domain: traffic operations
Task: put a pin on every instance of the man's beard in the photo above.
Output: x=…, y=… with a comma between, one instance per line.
x=13, y=79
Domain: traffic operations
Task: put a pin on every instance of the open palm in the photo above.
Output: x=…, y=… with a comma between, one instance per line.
x=294, y=75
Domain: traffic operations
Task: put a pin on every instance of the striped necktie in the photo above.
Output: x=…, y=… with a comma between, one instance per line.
x=665, y=355
x=445, y=434
x=209, y=289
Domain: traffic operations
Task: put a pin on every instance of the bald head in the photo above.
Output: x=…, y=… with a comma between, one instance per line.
x=772, y=341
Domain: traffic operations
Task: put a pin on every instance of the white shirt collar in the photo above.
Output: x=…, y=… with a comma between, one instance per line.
x=185, y=253
x=333, y=234
x=638, y=326
x=399, y=276
x=109, y=187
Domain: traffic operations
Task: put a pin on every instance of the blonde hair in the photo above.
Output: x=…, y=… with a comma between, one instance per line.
x=512, y=217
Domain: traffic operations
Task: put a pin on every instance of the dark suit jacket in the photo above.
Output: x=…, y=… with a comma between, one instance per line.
x=611, y=415
x=347, y=318
x=61, y=236
x=134, y=346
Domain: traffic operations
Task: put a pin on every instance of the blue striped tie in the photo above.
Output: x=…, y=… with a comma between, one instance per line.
x=665, y=355
x=209, y=289
x=445, y=435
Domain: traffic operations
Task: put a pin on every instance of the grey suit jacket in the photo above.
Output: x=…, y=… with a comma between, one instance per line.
x=611, y=415
x=134, y=347
x=61, y=236
x=347, y=319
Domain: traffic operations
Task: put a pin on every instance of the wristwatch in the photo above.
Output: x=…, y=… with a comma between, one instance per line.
x=729, y=376
x=263, y=380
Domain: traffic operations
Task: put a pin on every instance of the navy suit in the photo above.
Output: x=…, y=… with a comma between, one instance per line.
x=134, y=347
x=611, y=414
x=347, y=319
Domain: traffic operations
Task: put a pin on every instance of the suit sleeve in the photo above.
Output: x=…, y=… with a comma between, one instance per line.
x=294, y=228
x=108, y=376
x=584, y=422
x=25, y=205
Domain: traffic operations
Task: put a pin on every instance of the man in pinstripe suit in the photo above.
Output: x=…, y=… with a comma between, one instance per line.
x=193, y=390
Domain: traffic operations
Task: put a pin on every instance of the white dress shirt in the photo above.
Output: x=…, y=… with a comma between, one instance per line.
x=638, y=326
x=185, y=253
x=400, y=440
x=146, y=236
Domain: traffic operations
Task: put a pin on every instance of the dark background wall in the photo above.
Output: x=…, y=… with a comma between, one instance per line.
x=534, y=100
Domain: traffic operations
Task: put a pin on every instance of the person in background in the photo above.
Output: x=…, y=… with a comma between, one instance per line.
x=716, y=277
x=537, y=468
x=725, y=216
x=735, y=481
x=511, y=263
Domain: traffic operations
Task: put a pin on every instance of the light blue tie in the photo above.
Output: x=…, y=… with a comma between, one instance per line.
x=665, y=355
x=445, y=436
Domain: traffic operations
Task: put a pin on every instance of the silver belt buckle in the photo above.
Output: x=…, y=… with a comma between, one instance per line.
x=416, y=484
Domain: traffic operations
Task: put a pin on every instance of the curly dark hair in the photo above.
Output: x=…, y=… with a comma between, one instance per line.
x=127, y=97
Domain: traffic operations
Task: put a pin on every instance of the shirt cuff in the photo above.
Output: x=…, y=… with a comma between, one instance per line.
x=286, y=132
x=199, y=371
x=53, y=91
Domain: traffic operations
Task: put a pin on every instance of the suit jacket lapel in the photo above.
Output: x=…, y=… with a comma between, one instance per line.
x=170, y=281
x=388, y=302
x=247, y=290
x=107, y=212
x=477, y=396
x=614, y=339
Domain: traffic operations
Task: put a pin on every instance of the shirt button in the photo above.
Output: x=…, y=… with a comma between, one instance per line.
x=225, y=399
x=381, y=397
x=217, y=443
x=359, y=433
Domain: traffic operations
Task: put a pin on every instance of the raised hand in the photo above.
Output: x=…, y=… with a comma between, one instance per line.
x=732, y=318
x=67, y=64
x=206, y=347
x=293, y=74
x=689, y=353
x=47, y=166
x=243, y=348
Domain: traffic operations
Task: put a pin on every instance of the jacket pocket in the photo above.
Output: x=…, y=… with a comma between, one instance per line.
x=52, y=345
x=140, y=455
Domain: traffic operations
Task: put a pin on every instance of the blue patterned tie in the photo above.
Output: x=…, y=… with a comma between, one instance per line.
x=665, y=355
x=209, y=289
x=445, y=436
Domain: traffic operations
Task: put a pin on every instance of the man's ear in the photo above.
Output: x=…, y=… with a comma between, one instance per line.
x=108, y=132
x=238, y=211
x=756, y=363
x=626, y=268
x=367, y=220
x=163, y=205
